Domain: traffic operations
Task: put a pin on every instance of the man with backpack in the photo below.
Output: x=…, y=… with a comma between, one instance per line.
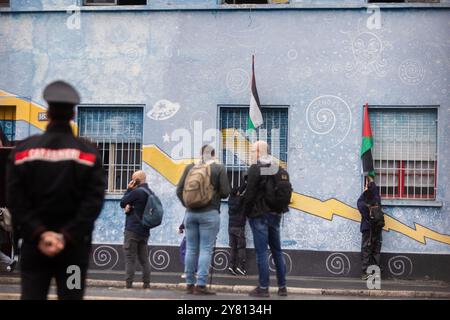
x=372, y=223
x=267, y=197
x=136, y=234
x=200, y=190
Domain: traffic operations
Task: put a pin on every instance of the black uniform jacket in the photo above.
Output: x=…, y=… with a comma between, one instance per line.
x=55, y=182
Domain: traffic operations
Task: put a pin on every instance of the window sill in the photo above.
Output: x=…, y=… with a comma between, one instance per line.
x=227, y=7
x=113, y=196
x=412, y=203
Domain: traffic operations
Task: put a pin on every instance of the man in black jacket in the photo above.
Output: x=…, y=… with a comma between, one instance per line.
x=136, y=234
x=371, y=235
x=55, y=193
x=236, y=230
x=264, y=222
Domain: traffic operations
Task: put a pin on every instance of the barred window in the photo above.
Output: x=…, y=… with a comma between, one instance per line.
x=8, y=122
x=235, y=149
x=117, y=131
x=405, y=152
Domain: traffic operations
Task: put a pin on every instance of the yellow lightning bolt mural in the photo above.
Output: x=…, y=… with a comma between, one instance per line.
x=172, y=170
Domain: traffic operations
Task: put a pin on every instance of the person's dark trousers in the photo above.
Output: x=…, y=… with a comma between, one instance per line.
x=238, y=246
x=266, y=232
x=371, y=248
x=136, y=248
x=37, y=270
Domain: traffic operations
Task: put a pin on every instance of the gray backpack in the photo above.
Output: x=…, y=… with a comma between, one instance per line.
x=198, y=190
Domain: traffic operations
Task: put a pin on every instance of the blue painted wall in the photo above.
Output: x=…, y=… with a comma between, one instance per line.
x=200, y=59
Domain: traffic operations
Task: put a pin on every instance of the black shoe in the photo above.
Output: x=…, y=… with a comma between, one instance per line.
x=259, y=292
x=282, y=292
x=190, y=289
x=241, y=271
x=232, y=271
x=202, y=291
x=146, y=285
x=12, y=266
x=129, y=285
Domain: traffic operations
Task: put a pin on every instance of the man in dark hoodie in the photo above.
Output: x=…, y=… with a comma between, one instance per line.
x=136, y=234
x=236, y=230
x=371, y=235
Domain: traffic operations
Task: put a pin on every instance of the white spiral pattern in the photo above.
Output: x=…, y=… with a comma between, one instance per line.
x=338, y=263
x=411, y=72
x=329, y=114
x=105, y=257
x=287, y=260
x=159, y=259
x=399, y=265
x=220, y=260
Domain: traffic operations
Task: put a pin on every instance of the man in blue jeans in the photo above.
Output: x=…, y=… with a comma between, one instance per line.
x=264, y=222
x=202, y=219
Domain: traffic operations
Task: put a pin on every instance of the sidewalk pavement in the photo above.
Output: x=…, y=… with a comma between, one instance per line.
x=390, y=288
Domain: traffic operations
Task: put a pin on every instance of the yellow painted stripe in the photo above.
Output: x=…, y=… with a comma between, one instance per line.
x=26, y=110
x=172, y=171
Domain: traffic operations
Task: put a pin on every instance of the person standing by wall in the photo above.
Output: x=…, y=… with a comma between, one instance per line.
x=136, y=235
x=55, y=192
x=264, y=222
x=236, y=230
x=371, y=234
x=200, y=189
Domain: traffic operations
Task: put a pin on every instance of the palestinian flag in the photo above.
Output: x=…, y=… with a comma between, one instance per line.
x=255, y=116
x=367, y=144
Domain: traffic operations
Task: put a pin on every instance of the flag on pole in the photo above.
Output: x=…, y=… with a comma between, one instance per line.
x=255, y=116
x=367, y=144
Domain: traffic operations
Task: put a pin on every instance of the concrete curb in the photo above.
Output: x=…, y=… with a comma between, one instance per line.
x=291, y=290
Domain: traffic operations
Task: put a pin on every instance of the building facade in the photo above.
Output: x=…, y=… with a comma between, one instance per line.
x=159, y=80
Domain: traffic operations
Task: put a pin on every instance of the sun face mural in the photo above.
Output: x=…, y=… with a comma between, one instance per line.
x=369, y=51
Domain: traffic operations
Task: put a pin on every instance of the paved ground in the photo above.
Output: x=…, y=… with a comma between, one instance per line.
x=12, y=292
x=110, y=285
x=298, y=282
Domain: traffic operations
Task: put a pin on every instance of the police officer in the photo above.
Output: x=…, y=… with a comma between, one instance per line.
x=55, y=192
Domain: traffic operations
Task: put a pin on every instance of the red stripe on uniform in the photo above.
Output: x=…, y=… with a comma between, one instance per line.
x=88, y=157
x=21, y=155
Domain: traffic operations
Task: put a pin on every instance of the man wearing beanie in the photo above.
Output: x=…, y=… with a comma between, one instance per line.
x=55, y=192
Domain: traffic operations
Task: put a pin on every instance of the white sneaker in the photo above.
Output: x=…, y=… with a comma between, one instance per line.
x=241, y=271
x=183, y=276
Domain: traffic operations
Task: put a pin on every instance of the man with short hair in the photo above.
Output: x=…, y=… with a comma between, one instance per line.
x=136, y=234
x=55, y=193
x=264, y=222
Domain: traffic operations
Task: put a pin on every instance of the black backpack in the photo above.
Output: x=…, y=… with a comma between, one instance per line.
x=278, y=191
x=376, y=216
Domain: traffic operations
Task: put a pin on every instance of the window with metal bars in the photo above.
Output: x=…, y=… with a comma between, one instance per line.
x=235, y=149
x=117, y=131
x=8, y=123
x=405, y=152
